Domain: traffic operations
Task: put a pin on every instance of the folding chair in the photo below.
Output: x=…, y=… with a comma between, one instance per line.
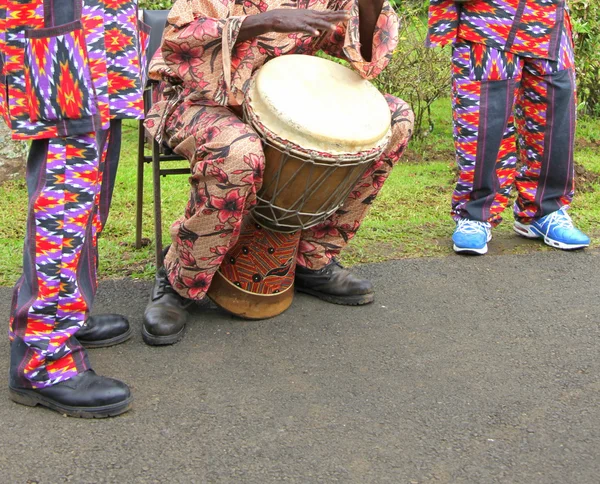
x=156, y=19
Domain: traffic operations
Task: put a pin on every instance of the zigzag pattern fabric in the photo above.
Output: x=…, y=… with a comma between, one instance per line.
x=63, y=214
x=57, y=77
x=505, y=107
x=100, y=54
x=529, y=28
x=71, y=69
x=125, y=54
x=93, y=18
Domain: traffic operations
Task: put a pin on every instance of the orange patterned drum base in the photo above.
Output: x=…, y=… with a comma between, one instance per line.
x=256, y=279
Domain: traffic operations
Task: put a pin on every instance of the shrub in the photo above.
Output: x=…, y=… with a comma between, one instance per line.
x=417, y=74
x=586, y=24
x=156, y=4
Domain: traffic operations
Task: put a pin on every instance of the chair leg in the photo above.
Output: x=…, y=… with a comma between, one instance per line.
x=140, y=187
x=157, y=204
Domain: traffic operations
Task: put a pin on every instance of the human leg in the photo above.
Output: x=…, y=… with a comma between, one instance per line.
x=321, y=243
x=318, y=273
x=483, y=88
x=103, y=330
x=546, y=125
x=227, y=163
x=52, y=298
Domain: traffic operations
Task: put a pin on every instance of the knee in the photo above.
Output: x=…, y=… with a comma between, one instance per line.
x=245, y=144
x=237, y=158
x=401, y=113
x=402, y=123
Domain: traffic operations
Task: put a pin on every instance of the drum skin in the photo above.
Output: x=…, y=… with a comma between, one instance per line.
x=256, y=278
x=318, y=142
x=318, y=105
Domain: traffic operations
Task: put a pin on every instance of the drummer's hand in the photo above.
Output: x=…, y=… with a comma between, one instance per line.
x=312, y=22
x=286, y=20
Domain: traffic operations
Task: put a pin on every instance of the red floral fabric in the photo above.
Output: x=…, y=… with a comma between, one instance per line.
x=199, y=44
x=204, y=73
x=227, y=163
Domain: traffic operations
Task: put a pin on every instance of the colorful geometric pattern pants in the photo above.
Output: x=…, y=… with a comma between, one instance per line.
x=69, y=183
x=505, y=108
x=227, y=162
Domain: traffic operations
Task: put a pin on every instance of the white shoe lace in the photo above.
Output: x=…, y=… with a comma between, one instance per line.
x=471, y=227
x=558, y=219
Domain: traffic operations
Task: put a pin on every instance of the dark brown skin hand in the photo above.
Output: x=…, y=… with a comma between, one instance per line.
x=369, y=11
x=284, y=20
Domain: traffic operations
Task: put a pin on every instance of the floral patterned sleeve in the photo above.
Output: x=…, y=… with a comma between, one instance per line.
x=198, y=44
x=344, y=43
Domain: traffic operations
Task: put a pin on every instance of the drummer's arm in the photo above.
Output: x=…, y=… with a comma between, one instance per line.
x=367, y=41
x=369, y=11
x=289, y=21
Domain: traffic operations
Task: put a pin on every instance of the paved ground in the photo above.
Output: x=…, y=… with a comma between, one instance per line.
x=474, y=370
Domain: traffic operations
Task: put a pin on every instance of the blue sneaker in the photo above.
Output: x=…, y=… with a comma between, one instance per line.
x=556, y=229
x=471, y=237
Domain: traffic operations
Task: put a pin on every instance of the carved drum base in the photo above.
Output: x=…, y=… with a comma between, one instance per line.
x=256, y=279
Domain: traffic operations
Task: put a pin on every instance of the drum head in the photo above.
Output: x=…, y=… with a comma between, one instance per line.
x=319, y=105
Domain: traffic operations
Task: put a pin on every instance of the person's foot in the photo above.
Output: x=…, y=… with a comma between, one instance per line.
x=86, y=395
x=334, y=284
x=471, y=237
x=166, y=313
x=556, y=229
x=104, y=330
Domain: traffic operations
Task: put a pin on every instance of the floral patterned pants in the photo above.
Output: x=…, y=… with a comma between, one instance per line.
x=227, y=163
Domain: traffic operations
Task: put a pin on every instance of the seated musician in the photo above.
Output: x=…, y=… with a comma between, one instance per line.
x=210, y=50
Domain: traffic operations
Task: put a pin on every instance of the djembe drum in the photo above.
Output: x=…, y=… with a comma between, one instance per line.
x=321, y=126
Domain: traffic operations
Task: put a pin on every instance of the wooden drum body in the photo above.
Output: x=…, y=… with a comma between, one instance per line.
x=322, y=125
x=256, y=279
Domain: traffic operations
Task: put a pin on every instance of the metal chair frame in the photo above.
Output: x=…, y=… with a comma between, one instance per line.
x=159, y=155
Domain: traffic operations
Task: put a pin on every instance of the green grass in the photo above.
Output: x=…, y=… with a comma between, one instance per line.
x=409, y=219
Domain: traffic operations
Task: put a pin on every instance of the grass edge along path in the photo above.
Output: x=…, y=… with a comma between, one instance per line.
x=410, y=218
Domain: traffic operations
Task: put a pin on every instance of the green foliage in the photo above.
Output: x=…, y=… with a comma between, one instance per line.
x=417, y=74
x=414, y=6
x=156, y=4
x=586, y=24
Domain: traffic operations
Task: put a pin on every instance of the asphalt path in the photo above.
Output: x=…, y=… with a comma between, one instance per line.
x=466, y=370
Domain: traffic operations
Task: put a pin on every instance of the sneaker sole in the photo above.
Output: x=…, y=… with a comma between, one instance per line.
x=357, y=300
x=104, y=343
x=470, y=251
x=530, y=232
x=154, y=340
x=462, y=250
x=30, y=398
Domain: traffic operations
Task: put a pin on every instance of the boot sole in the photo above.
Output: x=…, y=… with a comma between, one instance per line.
x=530, y=233
x=103, y=343
x=154, y=340
x=31, y=399
x=357, y=300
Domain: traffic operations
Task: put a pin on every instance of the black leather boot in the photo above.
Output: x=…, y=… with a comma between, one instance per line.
x=104, y=330
x=86, y=395
x=334, y=284
x=166, y=313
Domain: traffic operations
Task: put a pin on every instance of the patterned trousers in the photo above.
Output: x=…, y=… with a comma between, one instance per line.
x=227, y=162
x=505, y=108
x=69, y=182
